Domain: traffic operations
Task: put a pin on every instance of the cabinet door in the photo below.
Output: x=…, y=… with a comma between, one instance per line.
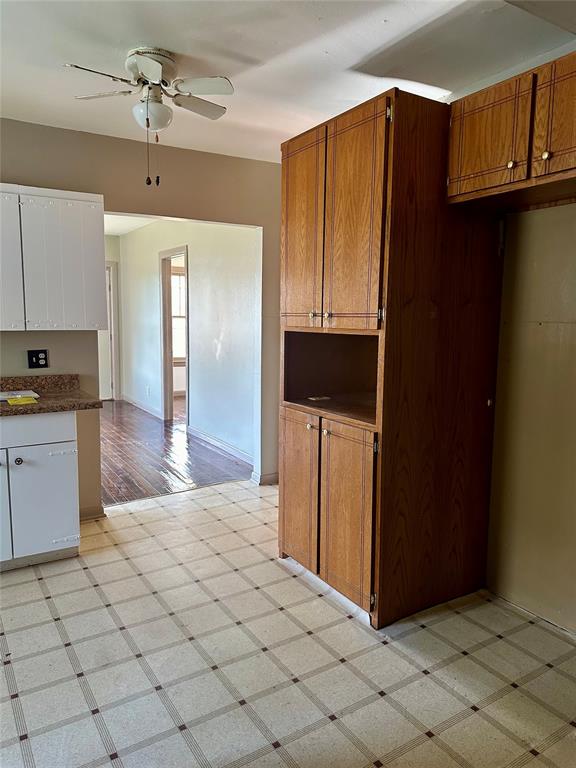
x=64, y=264
x=299, y=453
x=489, y=136
x=346, y=509
x=355, y=169
x=94, y=263
x=11, y=278
x=5, y=525
x=42, y=259
x=302, y=235
x=44, y=498
x=554, y=143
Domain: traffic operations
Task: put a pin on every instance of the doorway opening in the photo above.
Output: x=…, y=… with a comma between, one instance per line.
x=174, y=291
x=181, y=372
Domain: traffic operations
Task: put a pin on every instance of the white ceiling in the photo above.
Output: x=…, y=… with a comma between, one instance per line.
x=294, y=63
x=116, y=224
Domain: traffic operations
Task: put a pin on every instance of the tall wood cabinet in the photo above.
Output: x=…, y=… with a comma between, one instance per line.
x=389, y=332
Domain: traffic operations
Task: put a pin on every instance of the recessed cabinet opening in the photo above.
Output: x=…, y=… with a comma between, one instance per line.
x=332, y=373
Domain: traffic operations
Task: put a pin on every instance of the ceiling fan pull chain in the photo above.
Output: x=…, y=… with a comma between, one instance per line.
x=148, y=179
x=157, y=161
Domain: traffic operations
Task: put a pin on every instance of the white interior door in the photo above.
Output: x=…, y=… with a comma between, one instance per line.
x=11, y=277
x=44, y=498
x=5, y=526
x=106, y=347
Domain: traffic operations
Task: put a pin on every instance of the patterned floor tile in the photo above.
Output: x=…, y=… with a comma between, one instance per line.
x=158, y=650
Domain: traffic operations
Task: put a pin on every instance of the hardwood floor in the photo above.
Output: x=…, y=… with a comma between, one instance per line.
x=143, y=456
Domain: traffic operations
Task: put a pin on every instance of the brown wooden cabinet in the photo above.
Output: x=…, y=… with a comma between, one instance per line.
x=332, y=215
x=338, y=501
x=355, y=173
x=299, y=458
x=517, y=136
x=554, y=143
x=302, y=233
x=346, y=509
x=489, y=136
x=403, y=527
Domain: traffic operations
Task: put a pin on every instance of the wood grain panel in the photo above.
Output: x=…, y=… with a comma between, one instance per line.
x=489, y=136
x=302, y=228
x=439, y=371
x=555, y=117
x=355, y=171
x=346, y=509
x=299, y=457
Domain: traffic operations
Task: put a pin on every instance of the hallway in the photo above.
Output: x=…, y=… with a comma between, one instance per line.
x=143, y=456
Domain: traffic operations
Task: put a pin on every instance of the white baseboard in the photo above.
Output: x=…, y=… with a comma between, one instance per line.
x=223, y=446
x=143, y=407
x=270, y=479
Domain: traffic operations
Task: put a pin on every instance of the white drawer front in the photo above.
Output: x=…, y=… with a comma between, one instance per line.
x=37, y=428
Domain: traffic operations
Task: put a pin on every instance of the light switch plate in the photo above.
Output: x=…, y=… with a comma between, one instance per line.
x=38, y=358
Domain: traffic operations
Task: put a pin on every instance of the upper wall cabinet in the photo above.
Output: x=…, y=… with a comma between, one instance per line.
x=302, y=246
x=554, y=144
x=11, y=281
x=332, y=212
x=516, y=135
x=60, y=250
x=489, y=136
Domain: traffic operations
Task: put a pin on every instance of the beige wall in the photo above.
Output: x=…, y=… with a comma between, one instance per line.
x=68, y=352
x=194, y=185
x=532, y=558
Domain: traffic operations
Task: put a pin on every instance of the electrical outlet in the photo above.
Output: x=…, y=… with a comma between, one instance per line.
x=38, y=358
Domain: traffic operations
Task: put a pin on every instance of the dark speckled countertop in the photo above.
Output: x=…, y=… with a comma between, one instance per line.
x=58, y=392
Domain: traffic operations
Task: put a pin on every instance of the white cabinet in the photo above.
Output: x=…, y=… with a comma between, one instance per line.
x=39, y=491
x=44, y=497
x=5, y=526
x=11, y=280
x=62, y=261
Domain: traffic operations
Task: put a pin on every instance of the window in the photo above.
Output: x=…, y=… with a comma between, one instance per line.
x=179, y=315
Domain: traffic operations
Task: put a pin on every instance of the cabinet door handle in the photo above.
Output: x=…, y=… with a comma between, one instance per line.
x=510, y=164
x=326, y=432
x=308, y=426
x=327, y=315
x=18, y=461
x=311, y=315
x=546, y=155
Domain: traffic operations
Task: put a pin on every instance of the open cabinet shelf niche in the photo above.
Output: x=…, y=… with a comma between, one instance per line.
x=332, y=374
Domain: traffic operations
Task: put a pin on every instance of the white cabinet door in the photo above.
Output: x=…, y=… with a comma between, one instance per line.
x=94, y=261
x=44, y=498
x=64, y=263
x=72, y=243
x=42, y=257
x=5, y=527
x=11, y=278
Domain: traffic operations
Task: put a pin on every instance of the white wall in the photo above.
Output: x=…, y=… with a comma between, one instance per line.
x=224, y=275
x=532, y=557
x=179, y=379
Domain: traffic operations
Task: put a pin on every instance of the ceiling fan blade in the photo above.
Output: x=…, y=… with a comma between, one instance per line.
x=204, y=86
x=149, y=68
x=103, y=74
x=104, y=95
x=200, y=106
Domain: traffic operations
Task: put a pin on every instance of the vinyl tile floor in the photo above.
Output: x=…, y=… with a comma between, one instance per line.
x=178, y=639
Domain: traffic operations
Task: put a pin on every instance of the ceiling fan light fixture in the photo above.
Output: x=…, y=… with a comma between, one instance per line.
x=159, y=114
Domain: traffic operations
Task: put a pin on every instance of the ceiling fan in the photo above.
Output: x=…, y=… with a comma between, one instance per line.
x=152, y=76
